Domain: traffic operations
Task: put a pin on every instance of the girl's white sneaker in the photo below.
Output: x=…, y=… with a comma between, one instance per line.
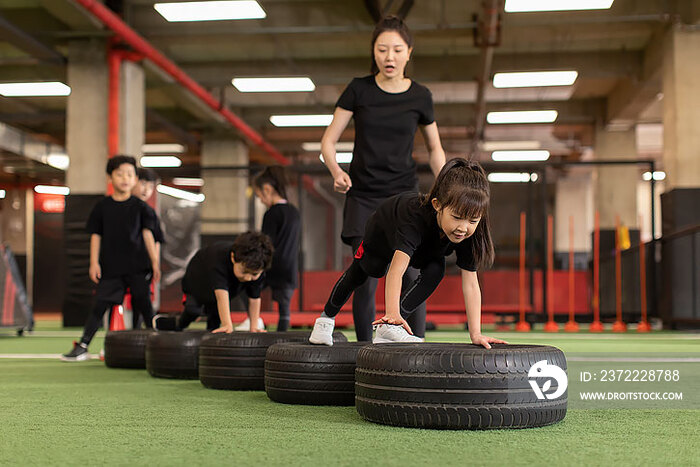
x=323, y=331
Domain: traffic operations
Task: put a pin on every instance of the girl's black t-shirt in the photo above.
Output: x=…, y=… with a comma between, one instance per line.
x=120, y=226
x=385, y=126
x=282, y=224
x=403, y=223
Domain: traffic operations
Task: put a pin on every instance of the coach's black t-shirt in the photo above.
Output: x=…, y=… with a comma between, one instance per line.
x=157, y=231
x=385, y=126
x=120, y=225
x=403, y=223
x=283, y=225
x=210, y=269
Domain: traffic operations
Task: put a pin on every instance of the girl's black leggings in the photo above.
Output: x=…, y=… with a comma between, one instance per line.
x=419, y=291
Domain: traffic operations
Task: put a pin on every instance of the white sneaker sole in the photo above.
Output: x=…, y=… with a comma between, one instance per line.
x=381, y=340
x=79, y=358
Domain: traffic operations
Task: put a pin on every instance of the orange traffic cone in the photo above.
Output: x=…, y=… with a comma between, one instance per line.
x=116, y=323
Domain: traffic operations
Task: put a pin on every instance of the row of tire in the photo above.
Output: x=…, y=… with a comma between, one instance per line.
x=449, y=386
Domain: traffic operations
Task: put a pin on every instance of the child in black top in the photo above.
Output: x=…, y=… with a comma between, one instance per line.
x=282, y=224
x=218, y=273
x=143, y=190
x=417, y=230
x=122, y=251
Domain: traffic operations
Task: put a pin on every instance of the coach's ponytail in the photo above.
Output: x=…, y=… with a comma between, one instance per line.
x=274, y=176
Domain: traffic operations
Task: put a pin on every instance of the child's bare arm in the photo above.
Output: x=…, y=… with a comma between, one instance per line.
x=152, y=253
x=223, y=305
x=254, y=314
x=392, y=291
x=95, y=269
x=472, y=301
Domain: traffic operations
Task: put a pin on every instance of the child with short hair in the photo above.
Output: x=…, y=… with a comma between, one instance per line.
x=419, y=230
x=122, y=252
x=215, y=275
x=282, y=224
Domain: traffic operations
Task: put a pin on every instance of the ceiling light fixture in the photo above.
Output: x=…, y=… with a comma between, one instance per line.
x=534, y=79
x=658, y=175
x=210, y=11
x=340, y=157
x=160, y=161
x=520, y=156
x=517, y=6
x=522, y=116
x=302, y=84
x=511, y=177
x=163, y=148
x=489, y=146
x=185, y=181
x=180, y=194
x=346, y=146
x=52, y=190
x=39, y=89
x=301, y=120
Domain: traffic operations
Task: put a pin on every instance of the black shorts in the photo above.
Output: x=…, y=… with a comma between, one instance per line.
x=112, y=290
x=355, y=214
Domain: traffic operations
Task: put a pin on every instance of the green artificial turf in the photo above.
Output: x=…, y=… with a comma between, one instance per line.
x=84, y=413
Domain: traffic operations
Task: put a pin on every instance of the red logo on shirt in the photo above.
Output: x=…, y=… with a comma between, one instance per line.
x=360, y=251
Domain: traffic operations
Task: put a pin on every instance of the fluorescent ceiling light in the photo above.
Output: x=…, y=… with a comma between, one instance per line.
x=520, y=156
x=522, y=116
x=180, y=194
x=52, y=190
x=509, y=145
x=516, y=6
x=58, y=161
x=3, y=193
x=511, y=177
x=658, y=175
x=534, y=79
x=51, y=88
x=301, y=120
x=164, y=148
x=183, y=181
x=210, y=11
x=273, y=84
x=347, y=146
x=340, y=157
x=160, y=161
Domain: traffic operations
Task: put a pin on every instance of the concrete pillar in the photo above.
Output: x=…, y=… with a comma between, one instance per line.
x=616, y=185
x=86, y=116
x=680, y=204
x=574, y=197
x=682, y=109
x=225, y=208
x=132, y=109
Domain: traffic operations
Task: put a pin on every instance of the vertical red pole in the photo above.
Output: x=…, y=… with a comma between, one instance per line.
x=643, y=325
x=596, y=325
x=571, y=325
x=550, y=325
x=522, y=325
x=618, y=325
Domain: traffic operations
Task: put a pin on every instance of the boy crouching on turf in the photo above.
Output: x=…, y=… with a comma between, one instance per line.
x=122, y=252
x=218, y=273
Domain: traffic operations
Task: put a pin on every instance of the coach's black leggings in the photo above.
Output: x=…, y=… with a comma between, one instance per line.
x=411, y=298
x=364, y=307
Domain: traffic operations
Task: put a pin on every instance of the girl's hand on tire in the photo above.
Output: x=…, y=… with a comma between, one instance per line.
x=398, y=321
x=485, y=341
x=228, y=329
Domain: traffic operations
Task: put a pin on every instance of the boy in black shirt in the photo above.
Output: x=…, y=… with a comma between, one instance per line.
x=122, y=251
x=218, y=273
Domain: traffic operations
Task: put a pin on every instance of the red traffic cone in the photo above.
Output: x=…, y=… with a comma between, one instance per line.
x=117, y=321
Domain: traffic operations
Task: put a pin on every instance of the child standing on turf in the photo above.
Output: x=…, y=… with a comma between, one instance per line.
x=218, y=273
x=282, y=224
x=122, y=251
x=418, y=230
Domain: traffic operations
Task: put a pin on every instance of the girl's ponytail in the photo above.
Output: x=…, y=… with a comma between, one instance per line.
x=274, y=176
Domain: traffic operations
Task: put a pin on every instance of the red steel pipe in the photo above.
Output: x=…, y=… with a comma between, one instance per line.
x=139, y=44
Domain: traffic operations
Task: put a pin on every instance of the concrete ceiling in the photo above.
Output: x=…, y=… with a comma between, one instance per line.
x=616, y=53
